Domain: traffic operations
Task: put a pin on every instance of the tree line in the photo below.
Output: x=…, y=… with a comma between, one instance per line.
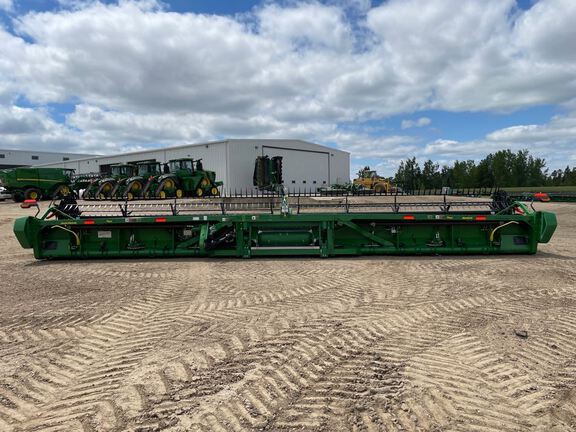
x=501, y=169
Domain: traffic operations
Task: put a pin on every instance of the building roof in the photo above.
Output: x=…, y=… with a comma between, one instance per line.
x=233, y=140
x=87, y=155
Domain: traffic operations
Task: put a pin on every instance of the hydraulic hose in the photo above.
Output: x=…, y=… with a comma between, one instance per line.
x=76, y=236
x=498, y=227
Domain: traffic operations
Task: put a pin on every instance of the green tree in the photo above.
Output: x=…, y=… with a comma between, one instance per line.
x=431, y=177
x=503, y=168
x=485, y=172
x=409, y=175
x=463, y=174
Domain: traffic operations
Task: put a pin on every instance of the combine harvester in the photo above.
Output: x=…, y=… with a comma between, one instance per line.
x=277, y=224
x=30, y=183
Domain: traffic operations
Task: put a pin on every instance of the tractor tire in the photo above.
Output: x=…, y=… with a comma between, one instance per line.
x=380, y=188
x=167, y=183
x=179, y=193
x=86, y=194
x=214, y=191
x=104, y=190
x=133, y=190
x=199, y=192
x=32, y=194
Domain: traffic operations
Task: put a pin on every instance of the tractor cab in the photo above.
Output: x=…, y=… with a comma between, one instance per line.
x=122, y=170
x=147, y=169
x=133, y=181
x=188, y=177
x=367, y=173
x=185, y=164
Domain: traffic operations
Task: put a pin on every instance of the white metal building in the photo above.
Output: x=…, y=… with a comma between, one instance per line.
x=16, y=158
x=306, y=166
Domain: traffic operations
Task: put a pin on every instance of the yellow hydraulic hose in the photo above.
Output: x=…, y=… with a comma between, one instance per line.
x=76, y=236
x=500, y=226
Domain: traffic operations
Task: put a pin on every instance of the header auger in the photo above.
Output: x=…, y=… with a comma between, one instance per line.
x=280, y=225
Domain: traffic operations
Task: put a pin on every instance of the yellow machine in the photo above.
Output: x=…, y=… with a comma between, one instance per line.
x=368, y=179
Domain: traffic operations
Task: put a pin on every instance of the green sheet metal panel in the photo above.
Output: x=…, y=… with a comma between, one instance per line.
x=318, y=234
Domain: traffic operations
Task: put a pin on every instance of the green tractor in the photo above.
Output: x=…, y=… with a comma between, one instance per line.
x=139, y=185
x=36, y=183
x=81, y=182
x=186, y=177
x=104, y=188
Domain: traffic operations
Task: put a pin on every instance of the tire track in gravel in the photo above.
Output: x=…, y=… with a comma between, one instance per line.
x=359, y=344
x=309, y=359
x=122, y=354
x=185, y=370
x=59, y=370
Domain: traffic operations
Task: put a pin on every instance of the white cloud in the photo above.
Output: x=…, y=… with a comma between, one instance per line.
x=366, y=146
x=421, y=122
x=19, y=121
x=490, y=68
x=561, y=128
x=35, y=129
x=135, y=56
x=6, y=5
x=555, y=141
x=306, y=26
x=446, y=147
x=142, y=75
x=129, y=57
x=175, y=128
x=547, y=32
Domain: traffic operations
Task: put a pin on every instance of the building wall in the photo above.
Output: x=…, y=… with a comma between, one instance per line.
x=306, y=164
x=15, y=158
x=213, y=157
x=340, y=167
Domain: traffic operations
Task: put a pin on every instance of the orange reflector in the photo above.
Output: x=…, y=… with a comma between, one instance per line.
x=160, y=219
x=408, y=217
x=26, y=204
x=480, y=218
x=542, y=196
x=89, y=222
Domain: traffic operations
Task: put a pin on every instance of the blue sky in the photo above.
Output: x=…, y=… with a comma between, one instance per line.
x=385, y=80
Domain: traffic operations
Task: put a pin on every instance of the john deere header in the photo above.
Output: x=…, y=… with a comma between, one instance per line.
x=273, y=225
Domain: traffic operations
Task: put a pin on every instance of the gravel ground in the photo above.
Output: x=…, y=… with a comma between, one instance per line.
x=368, y=344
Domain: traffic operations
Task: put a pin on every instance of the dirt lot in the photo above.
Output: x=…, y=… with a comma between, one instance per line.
x=371, y=344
